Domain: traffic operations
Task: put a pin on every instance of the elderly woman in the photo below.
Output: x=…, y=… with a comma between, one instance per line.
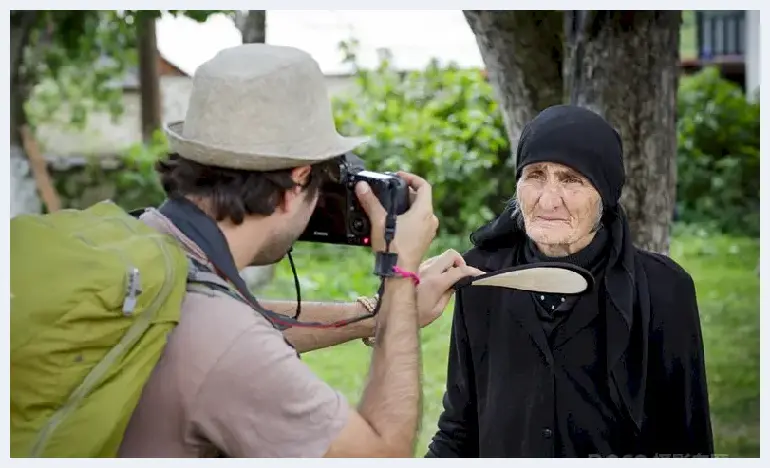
x=616, y=371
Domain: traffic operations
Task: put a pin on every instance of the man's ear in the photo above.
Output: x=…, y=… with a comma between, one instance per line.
x=300, y=175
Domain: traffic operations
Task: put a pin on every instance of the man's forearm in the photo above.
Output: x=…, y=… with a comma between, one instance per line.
x=391, y=401
x=309, y=339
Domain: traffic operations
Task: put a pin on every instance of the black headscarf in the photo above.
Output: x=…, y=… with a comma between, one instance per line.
x=584, y=141
x=580, y=139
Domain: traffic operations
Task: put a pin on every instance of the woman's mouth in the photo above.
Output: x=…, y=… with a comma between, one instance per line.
x=551, y=219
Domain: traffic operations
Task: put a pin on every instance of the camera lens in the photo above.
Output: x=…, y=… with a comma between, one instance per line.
x=359, y=225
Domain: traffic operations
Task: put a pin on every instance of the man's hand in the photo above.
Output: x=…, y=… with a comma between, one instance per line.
x=437, y=276
x=415, y=229
x=389, y=413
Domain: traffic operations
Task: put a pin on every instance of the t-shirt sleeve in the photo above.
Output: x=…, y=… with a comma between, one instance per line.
x=261, y=400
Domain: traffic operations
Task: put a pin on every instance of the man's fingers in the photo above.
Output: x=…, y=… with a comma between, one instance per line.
x=445, y=280
x=414, y=181
x=423, y=200
x=447, y=260
x=412, y=195
x=369, y=202
x=453, y=275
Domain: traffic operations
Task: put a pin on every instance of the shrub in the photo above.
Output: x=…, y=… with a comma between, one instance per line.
x=132, y=183
x=718, y=154
x=441, y=123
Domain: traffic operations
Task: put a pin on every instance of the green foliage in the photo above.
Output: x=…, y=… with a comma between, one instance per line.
x=444, y=124
x=441, y=123
x=131, y=182
x=80, y=57
x=137, y=185
x=718, y=154
x=74, y=64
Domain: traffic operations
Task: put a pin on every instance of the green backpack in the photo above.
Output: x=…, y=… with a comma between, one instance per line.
x=94, y=295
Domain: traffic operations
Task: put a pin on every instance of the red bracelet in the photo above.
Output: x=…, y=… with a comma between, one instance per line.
x=407, y=274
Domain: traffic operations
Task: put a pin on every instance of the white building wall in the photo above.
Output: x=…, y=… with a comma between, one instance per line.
x=24, y=198
x=102, y=136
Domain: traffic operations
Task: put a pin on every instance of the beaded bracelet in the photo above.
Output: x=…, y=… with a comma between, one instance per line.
x=369, y=304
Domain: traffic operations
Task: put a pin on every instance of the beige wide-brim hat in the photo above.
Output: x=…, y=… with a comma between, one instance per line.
x=259, y=107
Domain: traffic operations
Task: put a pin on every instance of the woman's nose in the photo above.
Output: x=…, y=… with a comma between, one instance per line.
x=550, y=198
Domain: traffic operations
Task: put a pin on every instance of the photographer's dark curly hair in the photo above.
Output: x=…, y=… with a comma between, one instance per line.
x=233, y=193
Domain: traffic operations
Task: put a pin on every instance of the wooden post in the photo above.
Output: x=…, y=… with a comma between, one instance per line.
x=40, y=171
x=148, y=76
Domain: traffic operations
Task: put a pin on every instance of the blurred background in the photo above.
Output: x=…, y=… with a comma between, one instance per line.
x=444, y=94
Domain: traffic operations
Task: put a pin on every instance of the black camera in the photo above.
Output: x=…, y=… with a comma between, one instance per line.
x=338, y=217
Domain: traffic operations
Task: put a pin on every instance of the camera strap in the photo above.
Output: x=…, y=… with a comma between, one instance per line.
x=385, y=262
x=203, y=230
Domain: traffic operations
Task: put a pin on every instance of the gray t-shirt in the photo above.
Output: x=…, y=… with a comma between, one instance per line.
x=227, y=384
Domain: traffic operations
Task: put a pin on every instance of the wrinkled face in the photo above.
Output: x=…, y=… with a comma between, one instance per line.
x=558, y=204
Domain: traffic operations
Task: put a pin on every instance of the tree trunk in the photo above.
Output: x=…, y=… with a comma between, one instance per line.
x=623, y=65
x=253, y=26
x=148, y=77
x=24, y=197
x=522, y=52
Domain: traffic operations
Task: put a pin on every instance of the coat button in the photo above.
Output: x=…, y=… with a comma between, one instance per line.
x=547, y=433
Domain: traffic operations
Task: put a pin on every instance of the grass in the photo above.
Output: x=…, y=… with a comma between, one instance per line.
x=726, y=275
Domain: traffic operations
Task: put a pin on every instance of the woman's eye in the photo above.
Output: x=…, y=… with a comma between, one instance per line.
x=573, y=180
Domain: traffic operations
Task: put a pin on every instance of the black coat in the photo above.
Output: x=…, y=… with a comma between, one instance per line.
x=632, y=375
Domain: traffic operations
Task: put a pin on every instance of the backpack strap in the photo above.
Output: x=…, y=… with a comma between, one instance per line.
x=198, y=277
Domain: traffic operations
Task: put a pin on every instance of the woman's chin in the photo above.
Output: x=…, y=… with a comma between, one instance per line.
x=549, y=235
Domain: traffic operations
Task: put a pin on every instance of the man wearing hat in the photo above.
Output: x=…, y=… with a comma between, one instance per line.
x=242, y=182
x=617, y=371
